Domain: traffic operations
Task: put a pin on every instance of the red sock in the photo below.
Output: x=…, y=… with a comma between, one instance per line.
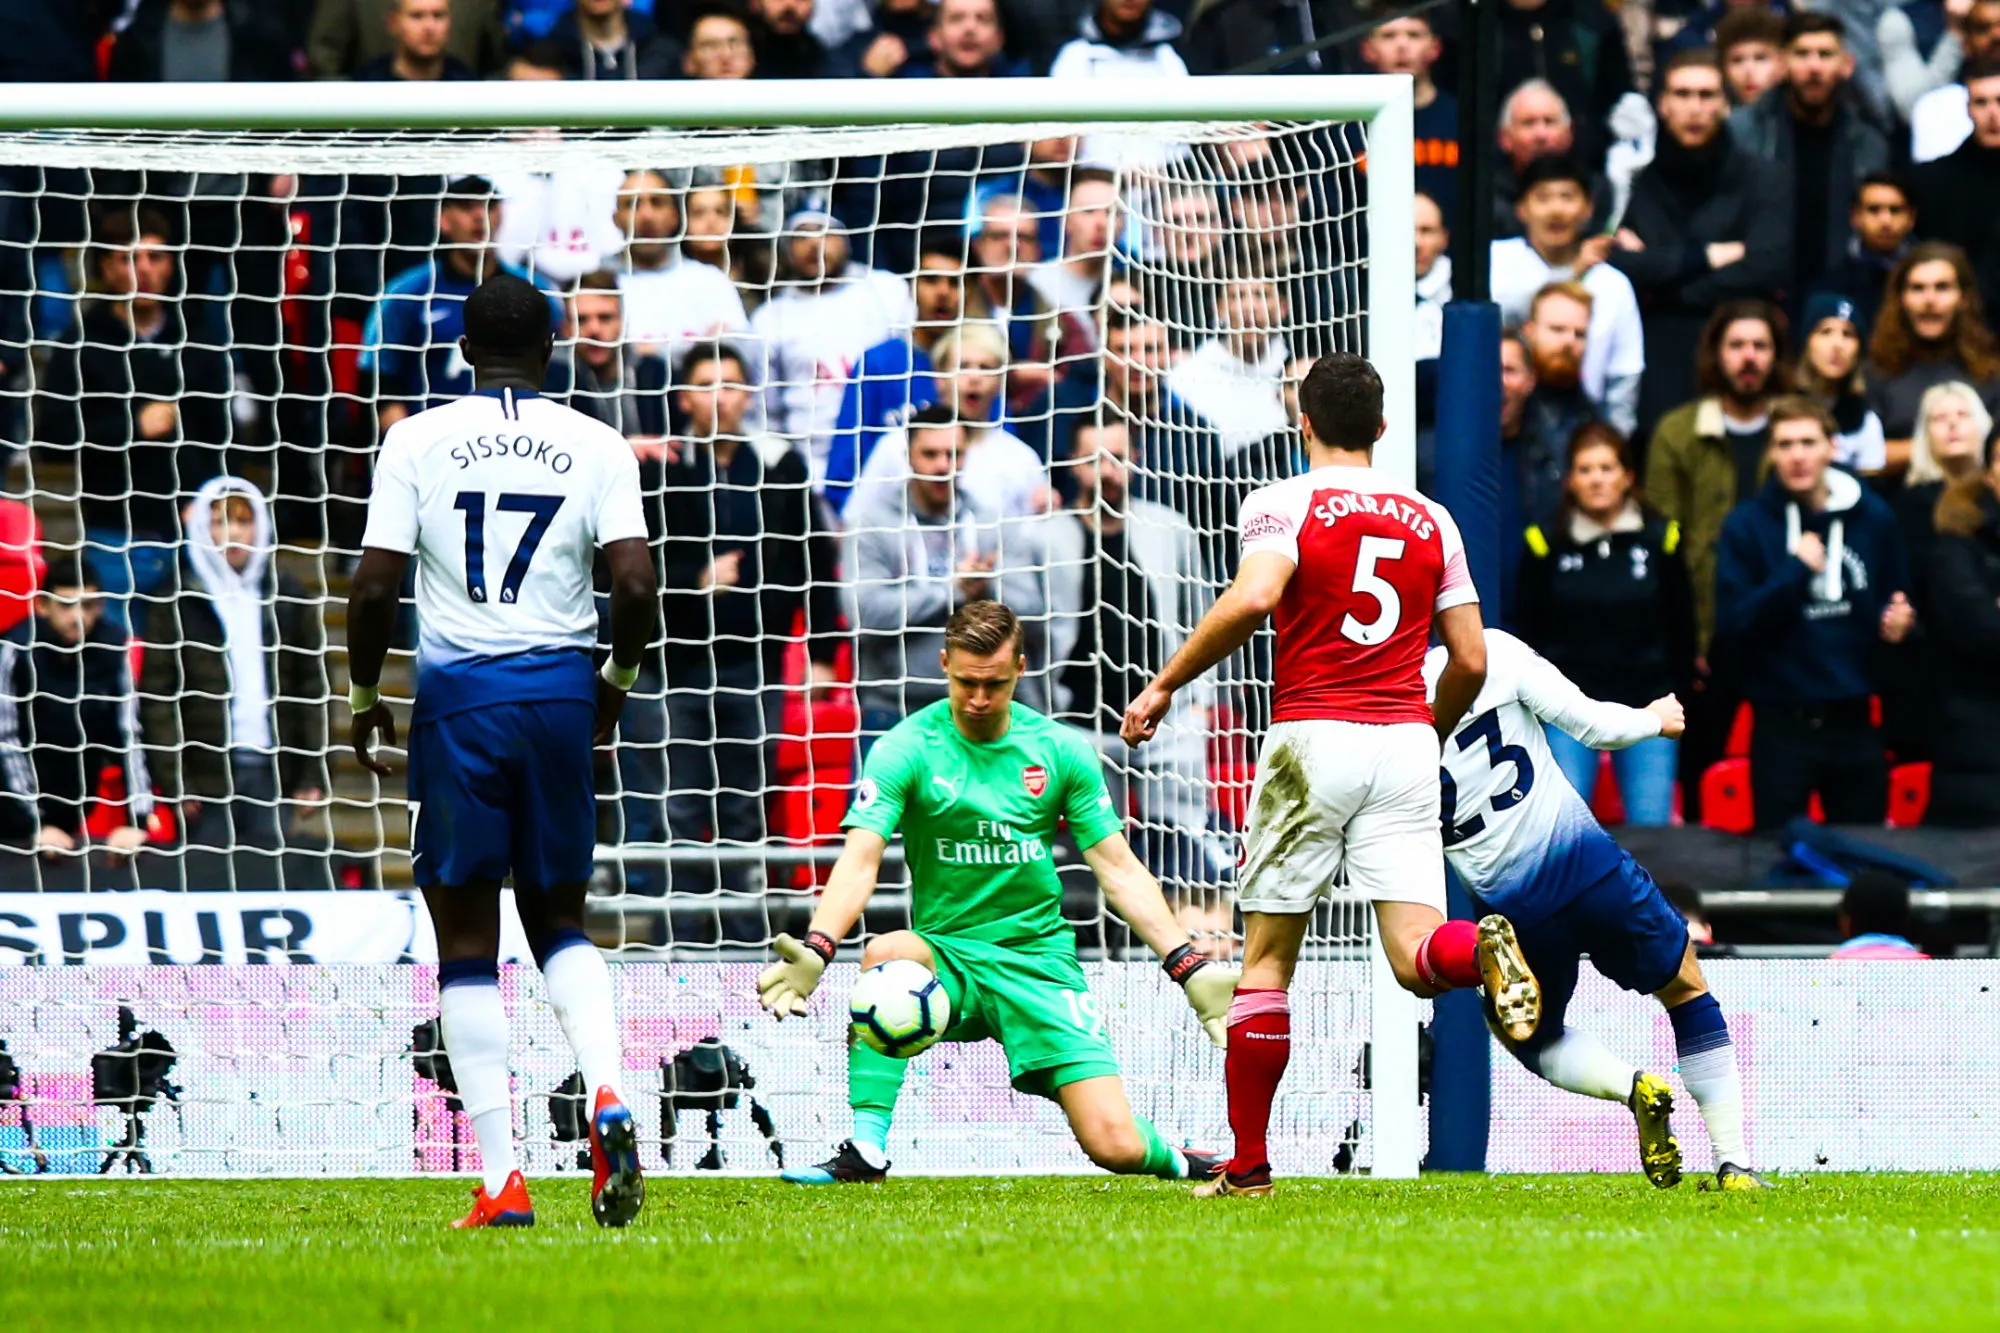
x=1260, y=1046
x=1448, y=959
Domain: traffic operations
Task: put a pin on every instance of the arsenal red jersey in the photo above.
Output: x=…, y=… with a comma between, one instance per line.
x=1376, y=561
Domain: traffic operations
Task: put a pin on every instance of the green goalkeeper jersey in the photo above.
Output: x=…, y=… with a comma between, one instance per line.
x=978, y=819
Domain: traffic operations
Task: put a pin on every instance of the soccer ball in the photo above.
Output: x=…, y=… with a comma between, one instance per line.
x=899, y=1008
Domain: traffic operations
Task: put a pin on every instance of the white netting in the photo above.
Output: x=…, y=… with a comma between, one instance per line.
x=1117, y=311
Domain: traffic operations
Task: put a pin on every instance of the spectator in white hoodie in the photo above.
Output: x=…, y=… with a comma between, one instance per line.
x=1124, y=39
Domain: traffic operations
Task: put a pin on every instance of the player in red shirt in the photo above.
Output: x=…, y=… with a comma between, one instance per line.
x=1358, y=570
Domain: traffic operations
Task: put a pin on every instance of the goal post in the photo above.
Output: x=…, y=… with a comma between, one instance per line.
x=1337, y=151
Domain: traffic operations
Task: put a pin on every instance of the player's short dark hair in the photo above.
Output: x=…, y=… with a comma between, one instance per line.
x=1876, y=903
x=1815, y=23
x=703, y=353
x=1746, y=24
x=1342, y=397
x=508, y=316
x=982, y=628
x=1551, y=168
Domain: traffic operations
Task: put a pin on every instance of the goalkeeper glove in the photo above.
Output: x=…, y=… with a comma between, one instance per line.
x=784, y=987
x=1209, y=988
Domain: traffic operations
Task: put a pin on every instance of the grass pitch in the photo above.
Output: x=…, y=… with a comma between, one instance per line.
x=1446, y=1253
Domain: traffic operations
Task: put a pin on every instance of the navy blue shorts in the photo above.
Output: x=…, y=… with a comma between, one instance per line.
x=1634, y=936
x=504, y=788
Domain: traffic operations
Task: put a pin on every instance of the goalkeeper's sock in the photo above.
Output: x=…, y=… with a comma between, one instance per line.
x=873, y=1081
x=473, y=1019
x=1260, y=1046
x=1448, y=959
x=579, y=987
x=1578, y=1062
x=1162, y=1160
x=1708, y=1067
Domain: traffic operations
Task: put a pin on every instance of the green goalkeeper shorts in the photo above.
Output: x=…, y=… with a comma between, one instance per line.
x=1035, y=1004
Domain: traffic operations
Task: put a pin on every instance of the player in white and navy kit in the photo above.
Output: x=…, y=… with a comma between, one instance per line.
x=504, y=499
x=1525, y=844
x=1359, y=571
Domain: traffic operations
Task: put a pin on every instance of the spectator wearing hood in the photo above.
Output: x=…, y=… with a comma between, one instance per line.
x=233, y=691
x=1811, y=582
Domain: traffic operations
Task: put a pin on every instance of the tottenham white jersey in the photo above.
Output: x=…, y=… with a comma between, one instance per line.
x=503, y=497
x=1513, y=826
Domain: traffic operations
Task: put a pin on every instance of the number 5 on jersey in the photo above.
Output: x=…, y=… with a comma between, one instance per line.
x=473, y=505
x=1371, y=552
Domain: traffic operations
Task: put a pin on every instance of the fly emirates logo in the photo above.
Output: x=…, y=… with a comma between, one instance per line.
x=993, y=844
x=1340, y=504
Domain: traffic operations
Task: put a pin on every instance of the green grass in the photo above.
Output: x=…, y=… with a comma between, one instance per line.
x=1471, y=1255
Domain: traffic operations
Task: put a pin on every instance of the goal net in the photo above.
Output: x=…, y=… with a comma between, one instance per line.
x=870, y=370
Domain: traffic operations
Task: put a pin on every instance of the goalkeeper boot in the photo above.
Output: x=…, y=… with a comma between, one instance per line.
x=616, y=1188
x=1730, y=1178
x=847, y=1166
x=510, y=1208
x=1203, y=1165
x=1652, y=1105
x=1513, y=996
x=1252, y=1184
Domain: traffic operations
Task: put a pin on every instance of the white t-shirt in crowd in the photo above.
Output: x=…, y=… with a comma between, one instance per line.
x=810, y=343
x=561, y=223
x=668, y=308
x=1939, y=122
x=1617, y=340
x=997, y=471
x=1242, y=401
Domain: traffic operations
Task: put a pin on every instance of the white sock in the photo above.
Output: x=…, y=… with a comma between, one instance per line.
x=474, y=1022
x=1712, y=1078
x=1578, y=1062
x=580, y=991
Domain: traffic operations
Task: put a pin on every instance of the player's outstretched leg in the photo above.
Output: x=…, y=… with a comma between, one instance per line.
x=580, y=991
x=1578, y=1062
x=1431, y=955
x=1113, y=1136
x=874, y=1081
x=1708, y=1067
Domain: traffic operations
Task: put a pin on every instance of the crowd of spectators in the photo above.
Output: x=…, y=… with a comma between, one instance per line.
x=1744, y=254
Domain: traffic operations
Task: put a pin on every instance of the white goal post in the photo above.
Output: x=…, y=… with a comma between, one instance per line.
x=112, y=133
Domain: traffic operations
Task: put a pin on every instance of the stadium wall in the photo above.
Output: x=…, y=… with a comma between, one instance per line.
x=304, y=1069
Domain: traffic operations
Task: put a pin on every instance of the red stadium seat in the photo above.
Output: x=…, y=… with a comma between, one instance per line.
x=1909, y=794
x=1725, y=797
x=1607, y=802
x=1738, y=746
x=21, y=563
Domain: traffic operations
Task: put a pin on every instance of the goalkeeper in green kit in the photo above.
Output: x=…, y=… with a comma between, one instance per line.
x=978, y=785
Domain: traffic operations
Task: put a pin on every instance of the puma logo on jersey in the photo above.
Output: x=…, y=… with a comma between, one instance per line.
x=950, y=787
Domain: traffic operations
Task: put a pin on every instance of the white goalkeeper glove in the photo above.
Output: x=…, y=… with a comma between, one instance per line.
x=785, y=986
x=1209, y=987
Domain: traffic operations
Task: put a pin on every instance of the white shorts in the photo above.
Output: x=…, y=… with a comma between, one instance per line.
x=1352, y=796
